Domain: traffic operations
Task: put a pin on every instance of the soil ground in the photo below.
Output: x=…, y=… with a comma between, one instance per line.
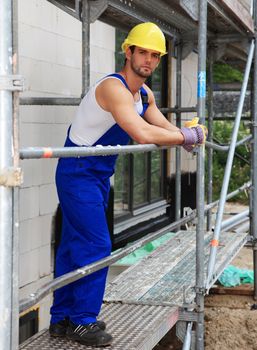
x=230, y=323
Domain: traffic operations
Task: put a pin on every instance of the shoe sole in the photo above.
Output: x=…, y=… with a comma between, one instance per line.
x=57, y=335
x=89, y=343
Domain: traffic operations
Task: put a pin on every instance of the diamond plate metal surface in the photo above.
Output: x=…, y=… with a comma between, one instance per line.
x=133, y=327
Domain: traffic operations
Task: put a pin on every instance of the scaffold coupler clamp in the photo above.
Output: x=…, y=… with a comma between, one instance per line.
x=12, y=82
x=253, y=241
x=200, y=290
x=11, y=177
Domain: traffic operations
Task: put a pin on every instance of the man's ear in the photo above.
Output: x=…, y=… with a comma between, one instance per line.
x=128, y=53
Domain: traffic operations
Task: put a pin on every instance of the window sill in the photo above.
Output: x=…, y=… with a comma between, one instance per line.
x=140, y=215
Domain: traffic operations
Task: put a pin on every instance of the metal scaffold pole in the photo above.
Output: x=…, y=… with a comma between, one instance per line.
x=6, y=162
x=16, y=190
x=201, y=95
x=85, y=46
x=210, y=136
x=254, y=159
x=178, y=124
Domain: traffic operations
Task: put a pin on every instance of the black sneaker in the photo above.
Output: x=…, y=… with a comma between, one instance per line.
x=90, y=334
x=59, y=329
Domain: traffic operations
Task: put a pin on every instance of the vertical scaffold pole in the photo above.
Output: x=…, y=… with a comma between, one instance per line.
x=16, y=190
x=210, y=137
x=6, y=161
x=228, y=169
x=178, y=124
x=201, y=96
x=254, y=159
x=85, y=46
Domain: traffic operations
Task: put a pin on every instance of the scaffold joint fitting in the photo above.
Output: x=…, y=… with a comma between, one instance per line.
x=12, y=82
x=11, y=177
x=200, y=290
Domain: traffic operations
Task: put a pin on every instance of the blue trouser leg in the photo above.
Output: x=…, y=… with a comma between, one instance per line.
x=63, y=297
x=85, y=240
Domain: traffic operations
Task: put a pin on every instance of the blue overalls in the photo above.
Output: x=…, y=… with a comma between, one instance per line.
x=83, y=187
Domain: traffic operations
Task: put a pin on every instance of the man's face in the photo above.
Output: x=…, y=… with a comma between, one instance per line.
x=144, y=61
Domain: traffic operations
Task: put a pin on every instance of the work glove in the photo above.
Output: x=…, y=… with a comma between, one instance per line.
x=194, y=134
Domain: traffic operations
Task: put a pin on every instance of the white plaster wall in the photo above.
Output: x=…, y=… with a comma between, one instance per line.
x=189, y=99
x=50, y=61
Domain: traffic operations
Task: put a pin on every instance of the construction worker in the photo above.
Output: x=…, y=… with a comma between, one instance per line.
x=117, y=108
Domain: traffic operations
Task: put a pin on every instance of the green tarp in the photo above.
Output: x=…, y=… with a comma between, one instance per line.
x=145, y=250
x=233, y=276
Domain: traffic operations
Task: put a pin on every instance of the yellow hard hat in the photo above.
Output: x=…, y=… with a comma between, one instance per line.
x=147, y=35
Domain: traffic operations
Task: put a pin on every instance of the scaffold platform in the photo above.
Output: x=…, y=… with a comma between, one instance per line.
x=143, y=303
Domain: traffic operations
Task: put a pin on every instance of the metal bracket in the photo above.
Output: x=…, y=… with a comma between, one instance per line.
x=97, y=7
x=11, y=177
x=189, y=316
x=191, y=7
x=12, y=82
x=200, y=290
x=252, y=242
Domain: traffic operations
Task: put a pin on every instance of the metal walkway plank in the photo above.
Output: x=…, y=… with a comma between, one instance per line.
x=166, y=275
x=134, y=327
x=134, y=282
x=173, y=280
x=177, y=286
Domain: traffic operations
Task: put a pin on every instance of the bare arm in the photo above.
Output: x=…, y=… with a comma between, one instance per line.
x=154, y=116
x=113, y=97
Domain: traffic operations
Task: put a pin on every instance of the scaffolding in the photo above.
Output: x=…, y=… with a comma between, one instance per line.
x=176, y=24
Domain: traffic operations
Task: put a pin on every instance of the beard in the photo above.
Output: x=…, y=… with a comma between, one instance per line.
x=141, y=72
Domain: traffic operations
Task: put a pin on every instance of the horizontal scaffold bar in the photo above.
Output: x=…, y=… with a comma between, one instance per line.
x=65, y=152
x=75, y=101
x=226, y=147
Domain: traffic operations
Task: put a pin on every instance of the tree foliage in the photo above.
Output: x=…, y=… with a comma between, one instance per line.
x=223, y=73
x=241, y=168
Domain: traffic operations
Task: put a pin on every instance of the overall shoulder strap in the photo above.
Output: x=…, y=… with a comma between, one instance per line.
x=143, y=92
x=120, y=77
x=144, y=97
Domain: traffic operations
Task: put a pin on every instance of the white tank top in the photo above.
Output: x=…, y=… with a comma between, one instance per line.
x=92, y=121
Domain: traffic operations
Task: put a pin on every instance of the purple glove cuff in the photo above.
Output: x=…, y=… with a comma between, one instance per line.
x=192, y=136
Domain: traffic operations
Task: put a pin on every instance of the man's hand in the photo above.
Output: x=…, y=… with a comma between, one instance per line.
x=194, y=134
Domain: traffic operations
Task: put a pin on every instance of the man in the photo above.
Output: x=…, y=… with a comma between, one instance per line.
x=117, y=108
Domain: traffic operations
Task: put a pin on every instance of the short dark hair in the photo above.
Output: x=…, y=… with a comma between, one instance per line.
x=132, y=49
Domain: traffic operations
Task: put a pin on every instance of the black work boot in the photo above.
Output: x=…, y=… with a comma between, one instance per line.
x=90, y=334
x=59, y=329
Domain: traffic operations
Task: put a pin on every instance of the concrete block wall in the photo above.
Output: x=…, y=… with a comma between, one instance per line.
x=50, y=61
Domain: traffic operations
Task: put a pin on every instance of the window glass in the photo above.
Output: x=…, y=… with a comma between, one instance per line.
x=140, y=179
x=121, y=189
x=156, y=175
